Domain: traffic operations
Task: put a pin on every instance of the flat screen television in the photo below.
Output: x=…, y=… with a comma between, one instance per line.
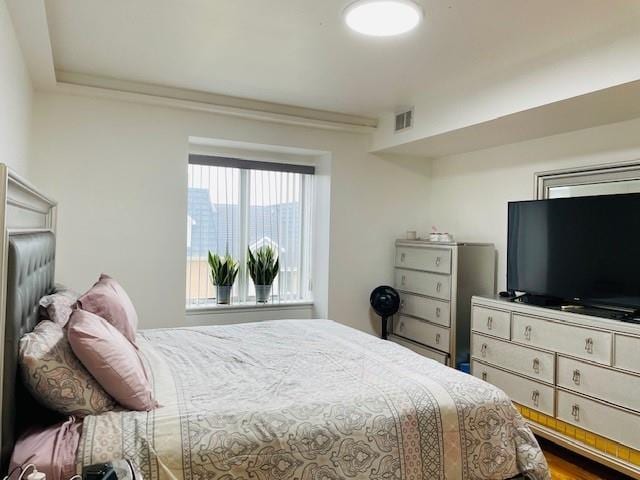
x=582, y=249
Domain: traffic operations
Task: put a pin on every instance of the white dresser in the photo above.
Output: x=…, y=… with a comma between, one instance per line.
x=575, y=377
x=436, y=282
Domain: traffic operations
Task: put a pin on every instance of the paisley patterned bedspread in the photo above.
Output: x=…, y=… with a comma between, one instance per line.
x=310, y=400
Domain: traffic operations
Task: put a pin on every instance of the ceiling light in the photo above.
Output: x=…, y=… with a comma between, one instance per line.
x=383, y=18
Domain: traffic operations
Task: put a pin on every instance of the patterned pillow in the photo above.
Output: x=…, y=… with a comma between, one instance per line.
x=58, y=306
x=55, y=376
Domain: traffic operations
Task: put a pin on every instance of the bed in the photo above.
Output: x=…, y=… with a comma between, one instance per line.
x=310, y=399
x=304, y=400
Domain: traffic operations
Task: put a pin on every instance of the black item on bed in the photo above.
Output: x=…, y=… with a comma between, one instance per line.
x=30, y=276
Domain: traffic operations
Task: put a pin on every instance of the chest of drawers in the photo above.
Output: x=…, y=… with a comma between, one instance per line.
x=436, y=282
x=575, y=378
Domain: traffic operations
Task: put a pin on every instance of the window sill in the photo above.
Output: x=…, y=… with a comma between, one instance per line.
x=247, y=307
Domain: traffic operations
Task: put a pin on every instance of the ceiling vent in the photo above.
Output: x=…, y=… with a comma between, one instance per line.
x=404, y=120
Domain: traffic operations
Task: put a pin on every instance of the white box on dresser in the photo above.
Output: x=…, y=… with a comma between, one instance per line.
x=436, y=281
x=574, y=377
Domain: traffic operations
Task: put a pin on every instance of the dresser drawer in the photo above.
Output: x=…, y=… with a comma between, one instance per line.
x=610, y=422
x=430, y=284
x=492, y=322
x=428, y=334
x=422, y=350
x=580, y=342
x=429, y=259
x=521, y=390
x=436, y=311
x=627, y=352
x=617, y=387
x=519, y=359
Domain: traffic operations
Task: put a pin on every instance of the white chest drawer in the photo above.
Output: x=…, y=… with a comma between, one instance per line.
x=429, y=259
x=594, y=345
x=423, y=332
x=491, y=322
x=617, y=387
x=519, y=359
x=521, y=390
x=422, y=350
x=424, y=283
x=436, y=311
x=610, y=422
x=627, y=354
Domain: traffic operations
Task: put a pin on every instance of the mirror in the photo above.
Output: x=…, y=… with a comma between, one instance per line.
x=607, y=188
x=597, y=180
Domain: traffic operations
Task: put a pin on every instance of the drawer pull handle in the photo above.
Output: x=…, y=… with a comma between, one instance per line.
x=588, y=345
x=527, y=332
x=403, y=280
x=575, y=412
x=438, y=339
x=484, y=376
x=438, y=287
x=483, y=350
x=489, y=323
x=535, y=396
x=576, y=377
x=536, y=365
x=401, y=326
x=438, y=312
x=401, y=305
x=438, y=260
x=402, y=256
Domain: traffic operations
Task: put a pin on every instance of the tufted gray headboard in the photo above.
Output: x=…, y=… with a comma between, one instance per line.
x=30, y=275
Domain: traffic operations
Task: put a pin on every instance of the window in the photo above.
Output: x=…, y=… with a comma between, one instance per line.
x=237, y=204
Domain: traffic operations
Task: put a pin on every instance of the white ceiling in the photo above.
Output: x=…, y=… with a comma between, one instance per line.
x=298, y=52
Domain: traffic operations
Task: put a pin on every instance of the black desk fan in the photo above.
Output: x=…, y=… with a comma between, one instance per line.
x=385, y=301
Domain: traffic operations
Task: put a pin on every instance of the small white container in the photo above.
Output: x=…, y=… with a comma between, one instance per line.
x=440, y=237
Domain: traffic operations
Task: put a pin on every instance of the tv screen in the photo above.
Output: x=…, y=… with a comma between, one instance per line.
x=583, y=248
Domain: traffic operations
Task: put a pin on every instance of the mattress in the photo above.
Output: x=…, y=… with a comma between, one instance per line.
x=309, y=400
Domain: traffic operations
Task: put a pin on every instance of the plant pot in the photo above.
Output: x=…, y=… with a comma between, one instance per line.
x=263, y=292
x=223, y=294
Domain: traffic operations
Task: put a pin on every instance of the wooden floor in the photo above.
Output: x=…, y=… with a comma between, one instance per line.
x=566, y=465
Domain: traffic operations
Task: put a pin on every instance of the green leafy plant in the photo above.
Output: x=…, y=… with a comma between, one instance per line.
x=223, y=269
x=263, y=265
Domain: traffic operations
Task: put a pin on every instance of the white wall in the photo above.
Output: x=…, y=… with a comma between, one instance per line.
x=15, y=98
x=579, y=68
x=251, y=314
x=119, y=173
x=469, y=192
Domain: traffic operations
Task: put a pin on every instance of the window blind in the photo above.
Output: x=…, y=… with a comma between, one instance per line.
x=235, y=204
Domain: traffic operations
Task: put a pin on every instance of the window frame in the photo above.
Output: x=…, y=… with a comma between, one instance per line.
x=305, y=261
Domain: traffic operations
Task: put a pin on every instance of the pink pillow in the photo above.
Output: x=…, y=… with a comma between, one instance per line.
x=108, y=300
x=111, y=359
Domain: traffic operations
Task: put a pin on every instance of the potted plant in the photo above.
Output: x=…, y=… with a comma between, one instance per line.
x=263, y=266
x=223, y=273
